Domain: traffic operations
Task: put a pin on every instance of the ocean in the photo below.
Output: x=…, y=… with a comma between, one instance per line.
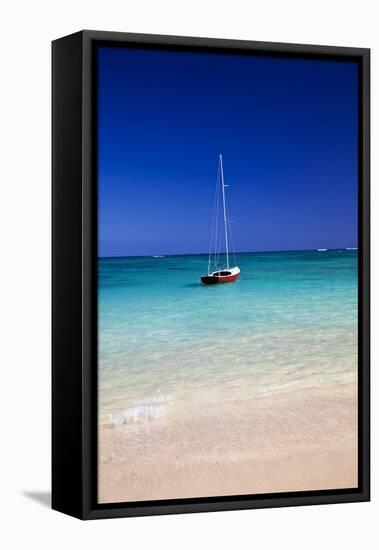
x=169, y=345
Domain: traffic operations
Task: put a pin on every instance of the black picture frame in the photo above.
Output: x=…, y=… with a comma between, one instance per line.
x=74, y=295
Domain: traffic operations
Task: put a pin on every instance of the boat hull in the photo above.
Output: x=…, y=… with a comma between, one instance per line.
x=214, y=279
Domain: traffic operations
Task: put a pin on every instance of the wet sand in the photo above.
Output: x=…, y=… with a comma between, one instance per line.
x=296, y=440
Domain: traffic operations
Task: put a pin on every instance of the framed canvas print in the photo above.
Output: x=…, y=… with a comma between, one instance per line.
x=210, y=274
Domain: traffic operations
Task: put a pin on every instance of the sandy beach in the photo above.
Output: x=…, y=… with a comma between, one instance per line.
x=293, y=441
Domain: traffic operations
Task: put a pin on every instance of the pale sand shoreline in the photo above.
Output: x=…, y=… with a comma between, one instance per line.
x=304, y=439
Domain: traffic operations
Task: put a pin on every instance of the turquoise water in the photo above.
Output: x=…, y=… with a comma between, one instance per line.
x=290, y=321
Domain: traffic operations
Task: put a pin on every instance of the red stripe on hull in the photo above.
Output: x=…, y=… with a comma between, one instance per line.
x=228, y=278
x=212, y=280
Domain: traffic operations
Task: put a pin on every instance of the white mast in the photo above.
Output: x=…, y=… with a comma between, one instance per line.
x=225, y=220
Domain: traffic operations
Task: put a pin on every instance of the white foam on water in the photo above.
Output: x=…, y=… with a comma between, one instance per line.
x=137, y=414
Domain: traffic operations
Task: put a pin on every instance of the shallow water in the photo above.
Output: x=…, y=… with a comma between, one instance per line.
x=166, y=340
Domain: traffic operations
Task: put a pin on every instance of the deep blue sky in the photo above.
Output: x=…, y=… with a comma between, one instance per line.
x=287, y=129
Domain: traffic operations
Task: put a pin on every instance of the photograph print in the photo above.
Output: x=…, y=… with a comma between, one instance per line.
x=227, y=274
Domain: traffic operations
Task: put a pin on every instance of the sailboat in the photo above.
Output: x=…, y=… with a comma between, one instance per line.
x=222, y=273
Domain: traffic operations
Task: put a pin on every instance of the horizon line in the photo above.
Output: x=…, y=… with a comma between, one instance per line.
x=223, y=253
